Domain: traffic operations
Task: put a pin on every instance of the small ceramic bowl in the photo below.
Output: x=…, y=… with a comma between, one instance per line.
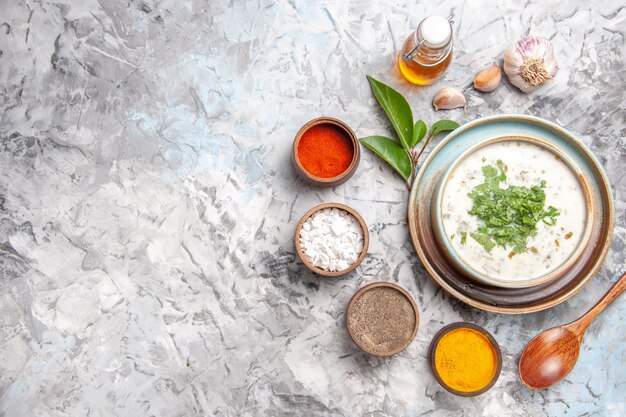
x=464, y=266
x=305, y=259
x=464, y=325
x=353, y=327
x=345, y=175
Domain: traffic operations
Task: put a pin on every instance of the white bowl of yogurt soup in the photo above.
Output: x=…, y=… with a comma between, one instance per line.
x=520, y=222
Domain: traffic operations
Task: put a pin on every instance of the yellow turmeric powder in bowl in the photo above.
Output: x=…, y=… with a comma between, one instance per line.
x=466, y=359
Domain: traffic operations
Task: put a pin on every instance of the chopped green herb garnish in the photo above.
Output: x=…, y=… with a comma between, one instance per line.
x=463, y=238
x=484, y=240
x=510, y=215
x=452, y=236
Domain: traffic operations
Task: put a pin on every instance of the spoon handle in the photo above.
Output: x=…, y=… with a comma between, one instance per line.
x=579, y=326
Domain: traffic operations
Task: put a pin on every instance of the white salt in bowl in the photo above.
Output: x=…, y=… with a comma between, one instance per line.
x=305, y=258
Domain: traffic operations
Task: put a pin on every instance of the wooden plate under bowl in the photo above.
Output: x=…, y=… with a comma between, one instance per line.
x=305, y=259
x=498, y=299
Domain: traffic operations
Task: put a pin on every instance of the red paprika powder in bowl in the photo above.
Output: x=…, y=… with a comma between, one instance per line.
x=326, y=152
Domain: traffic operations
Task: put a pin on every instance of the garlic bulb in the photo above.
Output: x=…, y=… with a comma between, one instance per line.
x=488, y=79
x=529, y=63
x=449, y=98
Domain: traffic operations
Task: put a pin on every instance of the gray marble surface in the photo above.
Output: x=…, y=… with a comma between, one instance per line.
x=148, y=203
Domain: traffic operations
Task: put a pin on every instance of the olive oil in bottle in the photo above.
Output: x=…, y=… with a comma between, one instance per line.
x=427, y=52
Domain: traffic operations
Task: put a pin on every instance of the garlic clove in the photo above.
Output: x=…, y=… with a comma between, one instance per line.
x=449, y=98
x=488, y=79
x=529, y=63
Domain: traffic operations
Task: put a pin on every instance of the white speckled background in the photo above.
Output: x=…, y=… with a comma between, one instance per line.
x=148, y=203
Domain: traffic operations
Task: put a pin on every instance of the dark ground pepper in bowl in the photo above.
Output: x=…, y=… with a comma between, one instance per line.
x=382, y=318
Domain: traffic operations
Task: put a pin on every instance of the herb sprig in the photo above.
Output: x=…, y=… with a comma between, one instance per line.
x=402, y=155
x=510, y=215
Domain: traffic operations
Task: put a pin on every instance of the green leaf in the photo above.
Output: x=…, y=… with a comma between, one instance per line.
x=443, y=126
x=390, y=151
x=437, y=127
x=463, y=238
x=397, y=109
x=483, y=240
x=419, y=131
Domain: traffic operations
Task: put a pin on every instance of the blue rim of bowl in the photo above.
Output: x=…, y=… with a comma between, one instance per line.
x=458, y=260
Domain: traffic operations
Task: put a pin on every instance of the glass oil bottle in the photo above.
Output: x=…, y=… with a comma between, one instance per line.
x=427, y=53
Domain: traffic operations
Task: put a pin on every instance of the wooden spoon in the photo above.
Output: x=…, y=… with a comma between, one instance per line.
x=552, y=354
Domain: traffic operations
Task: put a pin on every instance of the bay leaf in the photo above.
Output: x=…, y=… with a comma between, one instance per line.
x=444, y=125
x=390, y=151
x=419, y=131
x=397, y=109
